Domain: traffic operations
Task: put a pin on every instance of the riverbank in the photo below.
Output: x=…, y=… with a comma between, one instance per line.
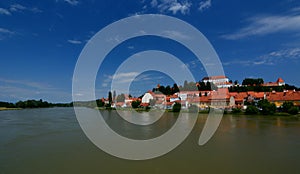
x=6, y=109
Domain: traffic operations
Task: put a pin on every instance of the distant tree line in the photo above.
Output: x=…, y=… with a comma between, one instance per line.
x=250, y=84
x=34, y=104
x=187, y=86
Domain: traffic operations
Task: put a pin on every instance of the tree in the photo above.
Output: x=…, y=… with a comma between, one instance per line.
x=135, y=104
x=121, y=98
x=100, y=103
x=114, y=95
x=287, y=105
x=293, y=110
x=267, y=108
x=109, y=97
x=236, y=82
x=253, y=82
x=175, y=88
x=176, y=107
x=252, y=110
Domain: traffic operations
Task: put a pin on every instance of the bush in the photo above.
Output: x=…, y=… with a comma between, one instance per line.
x=236, y=110
x=176, y=107
x=293, y=110
x=135, y=104
x=251, y=110
x=287, y=105
x=267, y=108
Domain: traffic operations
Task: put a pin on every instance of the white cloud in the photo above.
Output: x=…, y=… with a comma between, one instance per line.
x=263, y=25
x=76, y=42
x=176, y=35
x=272, y=58
x=173, y=6
x=124, y=77
x=72, y=2
x=4, y=11
x=204, y=5
x=184, y=8
x=17, y=7
x=5, y=33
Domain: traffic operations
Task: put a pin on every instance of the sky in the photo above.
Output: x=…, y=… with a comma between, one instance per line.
x=40, y=43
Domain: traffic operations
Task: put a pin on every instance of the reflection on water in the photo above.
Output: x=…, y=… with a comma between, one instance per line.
x=51, y=141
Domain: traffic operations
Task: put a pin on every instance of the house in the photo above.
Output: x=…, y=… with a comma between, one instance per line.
x=278, y=98
x=219, y=81
x=279, y=82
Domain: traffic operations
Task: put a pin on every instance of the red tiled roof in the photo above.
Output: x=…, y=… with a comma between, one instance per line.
x=280, y=80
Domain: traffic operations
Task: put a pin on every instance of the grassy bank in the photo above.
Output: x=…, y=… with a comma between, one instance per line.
x=5, y=109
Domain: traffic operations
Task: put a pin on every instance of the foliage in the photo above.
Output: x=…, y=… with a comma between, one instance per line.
x=251, y=110
x=100, y=103
x=135, y=104
x=287, y=105
x=236, y=110
x=253, y=82
x=267, y=108
x=110, y=97
x=176, y=107
x=120, y=98
x=166, y=90
x=293, y=110
x=108, y=106
x=7, y=105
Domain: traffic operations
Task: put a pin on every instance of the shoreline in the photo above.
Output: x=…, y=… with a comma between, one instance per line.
x=8, y=109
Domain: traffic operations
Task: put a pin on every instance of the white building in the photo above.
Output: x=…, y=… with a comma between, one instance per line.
x=219, y=81
x=147, y=97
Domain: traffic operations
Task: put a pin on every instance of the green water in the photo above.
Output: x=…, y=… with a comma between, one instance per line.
x=51, y=141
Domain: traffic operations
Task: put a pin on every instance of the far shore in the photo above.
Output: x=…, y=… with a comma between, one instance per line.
x=6, y=109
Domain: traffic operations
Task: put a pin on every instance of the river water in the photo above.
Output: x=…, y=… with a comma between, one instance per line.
x=51, y=141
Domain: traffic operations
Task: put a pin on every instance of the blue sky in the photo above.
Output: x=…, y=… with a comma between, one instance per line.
x=40, y=42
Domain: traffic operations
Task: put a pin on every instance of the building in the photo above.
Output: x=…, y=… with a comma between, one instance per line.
x=219, y=81
x=279, y=82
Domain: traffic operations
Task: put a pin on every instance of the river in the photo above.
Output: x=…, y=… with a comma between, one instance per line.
x=51, y=141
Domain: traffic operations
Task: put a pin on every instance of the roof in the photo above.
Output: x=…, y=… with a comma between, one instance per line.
x=214, y=77
x=280, y=80
x=284, y=96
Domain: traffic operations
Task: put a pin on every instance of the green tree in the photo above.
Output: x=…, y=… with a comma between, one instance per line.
x=121, y=98
x=267, y=108
x=135, y=104
x=252, y=110
x=110, y=97
x=287, y=105
x=293, y=110
x=176, y=107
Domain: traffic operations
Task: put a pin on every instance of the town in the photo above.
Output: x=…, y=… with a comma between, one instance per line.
x=213, y=92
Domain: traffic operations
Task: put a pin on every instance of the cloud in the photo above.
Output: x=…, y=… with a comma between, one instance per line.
x=272, y=58
x=76, y=42
x=173, y=6
x=14, y=90
x=204, y=5
x=5, y=33
x=176, y=35
x=4, y=11
x=14, y=8
x=124, y=77
x=17, y=7
x=72, y=2
x=264, y=25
